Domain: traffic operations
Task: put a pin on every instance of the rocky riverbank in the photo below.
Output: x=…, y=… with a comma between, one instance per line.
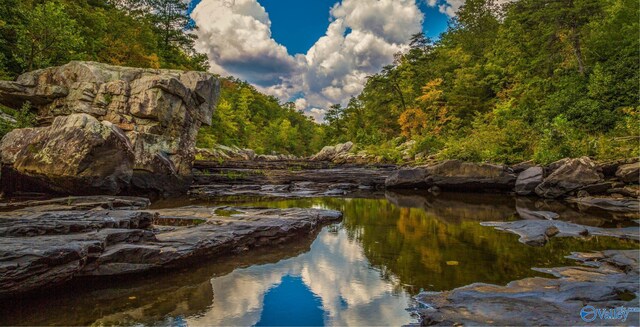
x=605, y=280
x=105, y=129
x=47, y=243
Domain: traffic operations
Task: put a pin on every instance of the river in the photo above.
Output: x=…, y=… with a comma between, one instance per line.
x=362, y=271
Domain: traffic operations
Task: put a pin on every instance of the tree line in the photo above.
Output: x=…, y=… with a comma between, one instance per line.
x=532, y=79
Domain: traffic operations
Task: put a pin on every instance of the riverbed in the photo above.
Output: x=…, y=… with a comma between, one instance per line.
x=362, y=271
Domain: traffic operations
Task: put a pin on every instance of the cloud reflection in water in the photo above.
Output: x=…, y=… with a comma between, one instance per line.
x=335, y=271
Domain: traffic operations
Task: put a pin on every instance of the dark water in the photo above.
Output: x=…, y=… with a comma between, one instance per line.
x=362, y=271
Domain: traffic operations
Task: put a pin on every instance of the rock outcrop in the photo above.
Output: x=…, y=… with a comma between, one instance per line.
x=135, y=129
x=600, y=282
x=455, y=175
x=45, y=248
x=570, y=175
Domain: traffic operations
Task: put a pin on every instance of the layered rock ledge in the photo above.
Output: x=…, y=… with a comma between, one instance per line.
x=579, y=177
x=105, y=129
x=606, y=280
x=44, y=248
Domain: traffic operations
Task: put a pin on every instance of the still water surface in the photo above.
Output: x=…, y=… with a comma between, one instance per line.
x=363, y=271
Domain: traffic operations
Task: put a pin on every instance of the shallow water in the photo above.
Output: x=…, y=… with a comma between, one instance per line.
x=362, y=271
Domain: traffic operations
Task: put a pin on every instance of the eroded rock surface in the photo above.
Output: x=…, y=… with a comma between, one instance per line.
x=106, y=129
x=286, y=179
x=46, y=248
x=455, y=175
x=600, y=282
x=571, y=175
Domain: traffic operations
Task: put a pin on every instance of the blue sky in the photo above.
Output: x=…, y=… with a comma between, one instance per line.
x=314, y=52
x=298, y=24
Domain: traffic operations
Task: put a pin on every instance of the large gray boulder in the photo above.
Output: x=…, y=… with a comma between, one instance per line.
x=76, y=154
x=455, y=175
x=570, y=176
x=158, y=111
x=528, y=180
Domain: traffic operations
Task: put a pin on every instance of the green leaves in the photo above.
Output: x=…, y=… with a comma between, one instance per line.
x=48, y=37
x=539, y=79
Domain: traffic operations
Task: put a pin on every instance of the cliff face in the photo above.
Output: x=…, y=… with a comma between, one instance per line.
x=106, y=129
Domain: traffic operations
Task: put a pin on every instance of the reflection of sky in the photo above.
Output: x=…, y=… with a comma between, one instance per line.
x=335, y=275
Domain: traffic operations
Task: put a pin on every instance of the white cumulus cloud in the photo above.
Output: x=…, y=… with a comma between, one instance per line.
x=363, y=36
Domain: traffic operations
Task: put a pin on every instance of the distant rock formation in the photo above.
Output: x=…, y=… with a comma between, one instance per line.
x=106, y=129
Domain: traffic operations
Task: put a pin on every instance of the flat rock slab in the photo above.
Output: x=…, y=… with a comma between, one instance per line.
x=44, y=249
x=538, y=232
x=600, y=282
x=78, y=203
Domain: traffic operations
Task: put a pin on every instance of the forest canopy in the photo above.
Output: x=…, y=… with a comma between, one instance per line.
x=528, y=80
x=533, y=79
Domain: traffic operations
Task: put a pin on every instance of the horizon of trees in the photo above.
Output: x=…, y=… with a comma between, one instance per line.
x=533, y=79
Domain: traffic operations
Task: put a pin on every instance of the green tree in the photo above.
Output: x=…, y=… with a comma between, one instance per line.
x=48, y=37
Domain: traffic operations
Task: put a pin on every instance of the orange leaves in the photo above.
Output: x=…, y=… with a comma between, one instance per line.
x=412, y=122
x=431, y=93
x=433, y=116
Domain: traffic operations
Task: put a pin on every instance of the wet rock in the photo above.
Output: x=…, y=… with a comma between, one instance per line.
x=286, y=179
x=158, y=112
x=537, y=232
x=407, y=178
x=48, y=248
x=599, y=188
x=72, y=203
x=629, y=173
x=455, y=175
x=632, y=191
x=541, y=301
x=610, y=204
x=572, y=174
x=528, y=180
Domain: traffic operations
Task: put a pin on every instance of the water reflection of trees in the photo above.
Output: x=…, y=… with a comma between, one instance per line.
x=415, y=244
x=412, y=236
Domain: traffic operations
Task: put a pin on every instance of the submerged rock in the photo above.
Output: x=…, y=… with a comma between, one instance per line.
x=44, y=249
x=600, y=282
x=140, y=135
x=571, y=175
x=538, y=232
